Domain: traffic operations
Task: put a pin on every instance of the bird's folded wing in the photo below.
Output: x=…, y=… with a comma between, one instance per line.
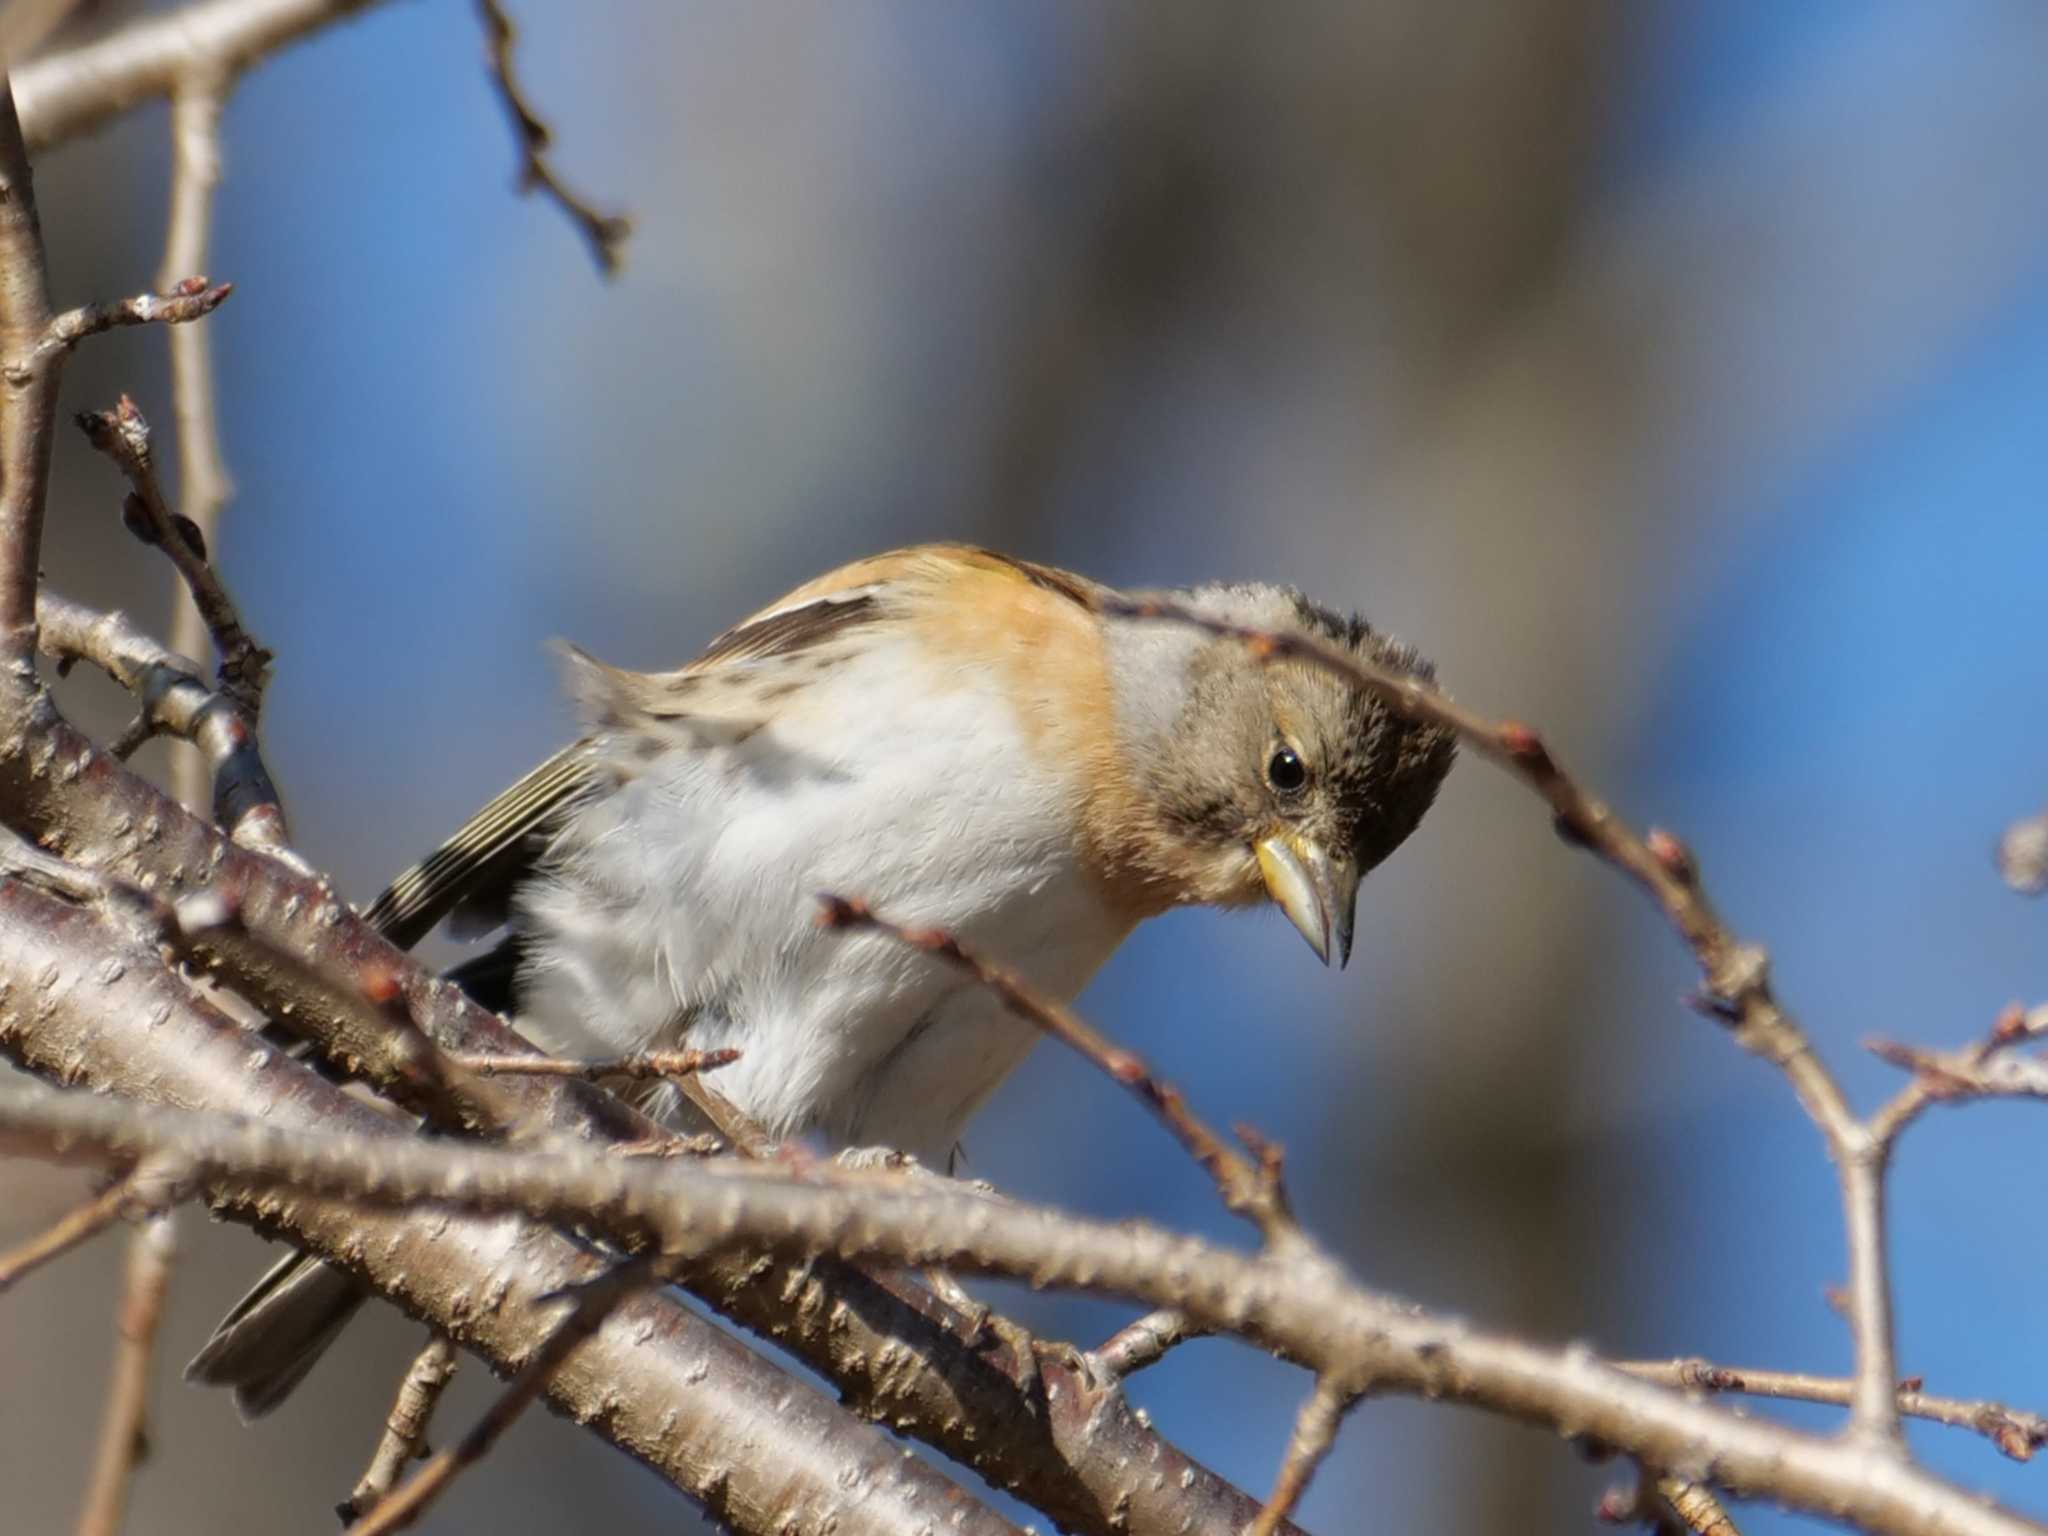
x=479, y=865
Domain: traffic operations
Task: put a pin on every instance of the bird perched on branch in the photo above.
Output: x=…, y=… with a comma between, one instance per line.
x=965, y=740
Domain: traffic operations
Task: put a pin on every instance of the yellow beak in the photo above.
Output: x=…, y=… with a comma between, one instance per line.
x=1319, y=894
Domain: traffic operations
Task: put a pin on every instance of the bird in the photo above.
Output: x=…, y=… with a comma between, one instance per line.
x=964, y=739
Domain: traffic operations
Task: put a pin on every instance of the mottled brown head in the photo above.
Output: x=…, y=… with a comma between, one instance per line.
x=1273, y=779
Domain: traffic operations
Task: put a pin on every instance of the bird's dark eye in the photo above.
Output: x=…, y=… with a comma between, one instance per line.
x=1286, y=772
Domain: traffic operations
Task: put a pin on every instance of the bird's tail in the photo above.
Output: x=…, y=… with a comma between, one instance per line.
x=264, y=1347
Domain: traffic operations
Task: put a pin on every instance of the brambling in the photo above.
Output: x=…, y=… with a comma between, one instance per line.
x=966, y=741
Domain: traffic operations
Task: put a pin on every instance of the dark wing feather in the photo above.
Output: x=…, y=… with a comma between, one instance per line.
x=791, y=629
x=480, y=864
x=495, y=847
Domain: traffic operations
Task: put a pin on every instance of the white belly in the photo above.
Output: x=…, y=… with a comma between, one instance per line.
x=682, y=908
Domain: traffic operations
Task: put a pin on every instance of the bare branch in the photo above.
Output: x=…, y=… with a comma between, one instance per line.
x=123, y=435
x=892, y=1350
x=655, y=1064
x=659, y=1382
x=405, y=1430
x=80, y=1224
x=1967, y=1074
x=1143, y=1342
x=1292, y=1303
x=1315, y=1431
x=245, y=799
x=29, y=376
x=605, y=234
x=203, y=482
x=123, y=1436
x=182, y=301
x=1984, y=1069
x=592, y=1301
x=1253, y=1190
x=2019, y=1435
x=1737, y=974
x=72, y=92
x=1694, y=1508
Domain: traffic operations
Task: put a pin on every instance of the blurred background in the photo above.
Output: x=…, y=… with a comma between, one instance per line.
x=1673, y=372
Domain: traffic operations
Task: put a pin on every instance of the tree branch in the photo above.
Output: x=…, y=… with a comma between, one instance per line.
x=605, y=234
x=74, y=91
x=122, y=434
x=123, y=1437
x=1299, y=1308
x=662, y=1384
x=29, y=375
x=204, y=486
x=893, y=1350
x=173, y=699
x=2019, y=1435
x=405, y=1430
x=591, y=1303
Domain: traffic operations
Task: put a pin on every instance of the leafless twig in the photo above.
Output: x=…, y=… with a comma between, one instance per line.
x=123, y=435
x=605, y=234
x=405, y=1430
x=77, y=1225
x=173, y=699
x=203, y=482
x=1694, y=1508
x=183, y=301
x=646, y=1064
x=123, y=1434
x=1737, y=974
x=591, y=1303
x=1315, y=1431
x=1142, y=1342
x=2019, y=1435
x=30, y=376
x=1252, y=1189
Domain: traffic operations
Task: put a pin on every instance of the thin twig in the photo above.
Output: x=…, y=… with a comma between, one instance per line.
x=644, y=1065
x=174, y=700
x=592, y=1302
x=78, y=1225
x=1253, y=1189
x=1693, y=1507
x=2018, y=1434
x=1985, y=1069
x=1737, y=974
x=405, y=1430
x=123, y=1434
x=30, y=378
x=605, y=234
x=204, y=485
x=1315, y=1431
x=1142, y=1342
x=123, y=435
x=182, y=301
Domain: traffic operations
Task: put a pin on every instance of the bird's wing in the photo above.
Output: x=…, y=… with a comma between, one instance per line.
x=494, y=848
x=708, y=700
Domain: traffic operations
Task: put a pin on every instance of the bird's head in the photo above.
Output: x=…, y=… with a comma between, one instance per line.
x=1271, y=779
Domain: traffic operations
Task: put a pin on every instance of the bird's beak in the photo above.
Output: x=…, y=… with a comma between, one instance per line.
x=1318, y=893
